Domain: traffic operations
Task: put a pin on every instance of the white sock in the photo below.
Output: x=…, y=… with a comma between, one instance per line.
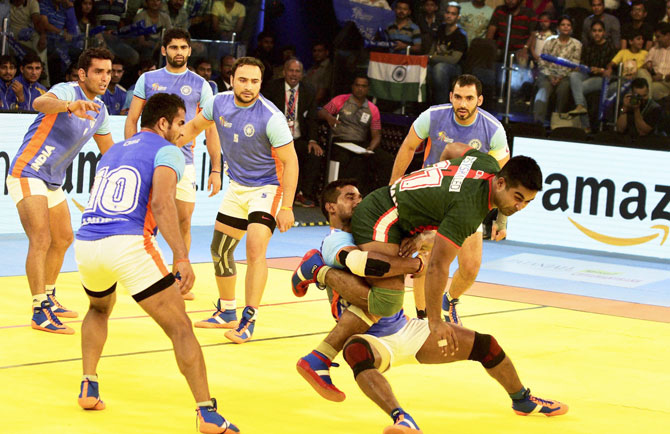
x=205, y=404
x=50, y=289
x=38, y=299
x=90, y=378
x=228, y=304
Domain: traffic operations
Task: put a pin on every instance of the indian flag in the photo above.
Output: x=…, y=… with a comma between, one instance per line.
x=398, y=77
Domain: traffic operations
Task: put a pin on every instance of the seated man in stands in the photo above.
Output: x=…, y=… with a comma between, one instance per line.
x=31, y=69
x=403, y=32
x=11, y=91
x=355, y=119
x=611, y=23
x=446, y=55
x=656, y=68
x=639, y=114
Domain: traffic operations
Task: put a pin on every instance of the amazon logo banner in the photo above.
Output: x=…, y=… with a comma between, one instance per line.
x=595, y=197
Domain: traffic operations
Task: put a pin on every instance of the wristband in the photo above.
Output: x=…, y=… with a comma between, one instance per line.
x=215, y=171
x=67, y=108
x=290, y=208
x=181, y=260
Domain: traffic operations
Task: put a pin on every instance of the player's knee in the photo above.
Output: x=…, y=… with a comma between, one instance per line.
x=470, y=268
x=385, y=302
x=222, y=250
x=358, y=354
x=485, y=350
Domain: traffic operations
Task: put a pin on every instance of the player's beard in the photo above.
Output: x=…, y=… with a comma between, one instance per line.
x=244, y=99
x=176, y=64
x=462, y=117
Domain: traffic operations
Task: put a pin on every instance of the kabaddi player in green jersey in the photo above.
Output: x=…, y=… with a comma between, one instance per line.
x=452, y=197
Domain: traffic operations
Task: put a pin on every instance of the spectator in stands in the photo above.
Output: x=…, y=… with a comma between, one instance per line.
x=612, y=26
x=553, y=78
x=597, y=53
x=523, y=24
x=632, y=57
x=72, y=73
x=296, y=99
x=403, y=33
x=638, y=13
x=287, y=52
x=656, y=68
x=541, y=6
x=320, y=75
x=31, y=69
x=265, y=53
x=666, y=18
x=178, y=13
x=446, y=55
x=200, y=16
x=355, y=119
x=24, y=23
x=474, y=18
x=60, y=23
x=115, y=95
x=147, y=64
x=227, y=18
x=539, y=37
x=151, y=14
x=109, y=14
x=203, y=67
x=11, y=91
x=87, y=16
x=639, y=113
x=429, y=21
x=223, y=82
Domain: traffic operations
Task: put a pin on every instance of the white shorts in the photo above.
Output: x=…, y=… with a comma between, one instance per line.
x=240, y=201
x=20, y=188
x=186, y=185
x=133, y=261
x=403, y=345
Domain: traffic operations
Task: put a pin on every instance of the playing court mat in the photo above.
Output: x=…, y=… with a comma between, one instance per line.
x=612, y=371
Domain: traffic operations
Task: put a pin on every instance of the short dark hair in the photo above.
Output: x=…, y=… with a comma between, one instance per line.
x=199, y=61
x=407, y=2
x=6, y=58
x=248, y=61
x=332, y=191
x=176, y=33
x=119, y=61
x=468, y=80
x=566, y=17
x=362, y=75
x=639, y=83
x=597, y=21
x=161, y=105
x=638, y=3
x=663, y=28
x=29, y=58
x=87, y=56
x=522, y=170
x=265, y=34
x=634, y=33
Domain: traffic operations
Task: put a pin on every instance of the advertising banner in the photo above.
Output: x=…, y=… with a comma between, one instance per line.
x=606, y=198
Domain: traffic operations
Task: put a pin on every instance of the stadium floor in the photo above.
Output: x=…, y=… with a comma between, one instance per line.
x=605, y=356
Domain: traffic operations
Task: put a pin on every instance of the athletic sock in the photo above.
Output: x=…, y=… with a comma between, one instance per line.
x=205, y=404
x=228, y=304
x=50, y=289
x=321, y=274
x=519, y=394
x=90, y=378
x=38, y=299
x=326, y=350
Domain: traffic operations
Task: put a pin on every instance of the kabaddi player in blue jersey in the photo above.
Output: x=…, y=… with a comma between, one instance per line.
x=133, y=196
x=395, y=340
x=70, y=114
x=260, y=160
x=460, y=121
x=176, y=78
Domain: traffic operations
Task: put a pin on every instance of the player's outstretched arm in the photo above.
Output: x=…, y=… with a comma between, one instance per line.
x=134, y=113
x=192, y=128
x=50, y=104
x=289, y=159
x=375, y=264
x=164, y=208
x=405, y=155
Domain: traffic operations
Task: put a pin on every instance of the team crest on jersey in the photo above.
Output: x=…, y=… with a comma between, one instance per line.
x=442, y=137
x=186, y=90
x=249, y=130
x=475, y=144
x=158, y=88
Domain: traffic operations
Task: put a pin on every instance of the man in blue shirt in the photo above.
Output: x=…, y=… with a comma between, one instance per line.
x=115, y=96
x=403, y=32
x=10, y=89
x=31, y=69
x=134, y=195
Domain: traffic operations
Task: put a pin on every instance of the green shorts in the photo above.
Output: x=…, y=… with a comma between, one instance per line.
x=376, y=219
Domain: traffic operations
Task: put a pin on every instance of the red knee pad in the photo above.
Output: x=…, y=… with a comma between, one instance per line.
x=359, y=355
x=485, y=349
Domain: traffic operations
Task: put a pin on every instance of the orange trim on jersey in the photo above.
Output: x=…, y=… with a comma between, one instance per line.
x=426, y=151
x=149, y=225
x=25, y=187
x=279, y=168
x=35, y=144
x=451, y=242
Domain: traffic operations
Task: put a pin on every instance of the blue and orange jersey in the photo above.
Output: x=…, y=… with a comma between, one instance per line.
x=249, y=137
x=188, y=85
x=115, y=100
x=54, y=140
x=438, y=124
x=330, y=247
x=120, y=202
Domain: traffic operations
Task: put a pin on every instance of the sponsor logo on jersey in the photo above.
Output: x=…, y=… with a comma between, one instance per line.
x=131, y=142
x=249, y=130
x=442, y=137
x=224, y=123
x=461, y=173
x=158, y=88
x=186, y=90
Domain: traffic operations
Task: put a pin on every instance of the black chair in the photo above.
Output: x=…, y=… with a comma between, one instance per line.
x=569, y=133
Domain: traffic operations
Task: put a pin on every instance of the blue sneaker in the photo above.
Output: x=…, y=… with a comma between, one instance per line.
x=245, y=328
x=58, y=308
x=209, y=421
x=404, y=424
x=315, y=368
x=89, y=396
x=306, y=272
x=45, y=320
x=221, y=319
x=532, y=405
x=449, y=310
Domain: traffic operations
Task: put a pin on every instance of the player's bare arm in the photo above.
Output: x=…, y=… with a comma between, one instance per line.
x=164, y=190
x=134, y=112
x=405, y=155
x=104, y=142
x=454, y=150
x=214, y=151
x=289, y=159
x=50, y=104
x=375, y=264
x=194, y=127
